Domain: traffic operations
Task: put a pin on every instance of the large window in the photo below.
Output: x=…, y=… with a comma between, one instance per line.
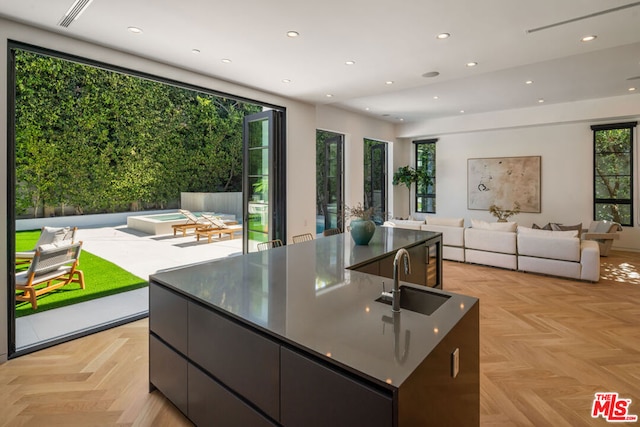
x=426, y=185
x=613, y=172
x=329, y=181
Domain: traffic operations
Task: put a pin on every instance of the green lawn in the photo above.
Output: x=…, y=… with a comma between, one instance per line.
x=101, y=278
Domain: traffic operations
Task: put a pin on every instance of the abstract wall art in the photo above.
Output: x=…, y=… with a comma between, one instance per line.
x=502, y=181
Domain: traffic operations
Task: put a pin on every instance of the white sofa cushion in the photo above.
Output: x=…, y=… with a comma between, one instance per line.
x=496, y=226
x=451, y=236
x=407, y=223
x=449, y=222
x=549, y=247
x=490, y=240
x=552, y=267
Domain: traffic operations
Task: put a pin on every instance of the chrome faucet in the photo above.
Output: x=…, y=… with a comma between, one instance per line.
x=395, y=292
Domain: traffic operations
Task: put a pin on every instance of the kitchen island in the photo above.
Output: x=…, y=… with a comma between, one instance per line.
x=294, y=336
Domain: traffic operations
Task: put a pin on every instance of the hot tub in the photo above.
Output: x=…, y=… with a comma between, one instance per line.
x=161, y=223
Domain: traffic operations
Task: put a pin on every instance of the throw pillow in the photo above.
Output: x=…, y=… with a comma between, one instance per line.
x=547, y=226
x=560, y=227
x=451, y=222
x=547, y=233
x=495, y=226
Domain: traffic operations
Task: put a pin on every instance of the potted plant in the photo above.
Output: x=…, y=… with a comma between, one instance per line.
x=361, y=226
x=504, y=214
x=407, y=175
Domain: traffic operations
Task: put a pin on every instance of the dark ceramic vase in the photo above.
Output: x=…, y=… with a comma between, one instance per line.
x=362, y=231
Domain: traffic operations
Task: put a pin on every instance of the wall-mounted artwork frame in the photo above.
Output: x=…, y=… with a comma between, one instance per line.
x=502, y=181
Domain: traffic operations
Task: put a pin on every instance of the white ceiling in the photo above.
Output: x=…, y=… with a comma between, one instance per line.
x=389, y=41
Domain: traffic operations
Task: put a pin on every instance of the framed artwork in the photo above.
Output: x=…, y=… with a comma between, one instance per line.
x=502, y=181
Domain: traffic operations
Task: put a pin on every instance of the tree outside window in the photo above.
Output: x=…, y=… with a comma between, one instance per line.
x=613, y=172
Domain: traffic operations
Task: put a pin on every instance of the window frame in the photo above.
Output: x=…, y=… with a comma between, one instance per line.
x=432, y=171
x=631, y=174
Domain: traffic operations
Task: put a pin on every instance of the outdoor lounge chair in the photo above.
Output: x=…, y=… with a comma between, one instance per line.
x=53, y=266
x=48, y=235
x=193, y=222
x=217, y=226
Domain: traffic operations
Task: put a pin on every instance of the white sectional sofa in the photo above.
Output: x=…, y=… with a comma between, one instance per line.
x=558, y=253
x=491, y=243
x=507, y=245
x=452, y=230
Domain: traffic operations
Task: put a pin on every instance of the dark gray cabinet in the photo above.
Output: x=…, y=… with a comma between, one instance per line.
x=210, y=404
x=168, y=373
x=426, y=265
x=243, y=360
x=315, y=395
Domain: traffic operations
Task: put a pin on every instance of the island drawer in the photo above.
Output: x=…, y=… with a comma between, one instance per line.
x=168, y=316
x=168, y=373
x=244, y=361
x=210, y=404
x=317, y=395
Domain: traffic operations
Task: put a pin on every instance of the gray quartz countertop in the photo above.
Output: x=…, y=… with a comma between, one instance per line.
x=306, y=296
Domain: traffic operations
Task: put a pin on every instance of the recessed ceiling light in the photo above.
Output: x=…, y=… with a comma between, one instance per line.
x=443, y=36
x=135, y=30
x=292, y=34
x=226, y=60
x=588, y=38
x=471, y=64
x=528, y=82
x=195, y=51
x=367, y=109
x=431, y=74
x=461, y=111
x=631, y=89
x=540, y=101
x=350, y=62
x=389, y=82
x=286, y=81
x=329, y=95
x=436, y=97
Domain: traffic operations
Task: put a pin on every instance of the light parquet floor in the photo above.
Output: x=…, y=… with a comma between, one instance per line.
x=547, y=345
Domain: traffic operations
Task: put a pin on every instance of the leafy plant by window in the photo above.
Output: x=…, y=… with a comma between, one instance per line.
x=613, y=172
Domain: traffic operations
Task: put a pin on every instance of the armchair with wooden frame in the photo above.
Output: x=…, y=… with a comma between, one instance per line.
x=52, y=267
x=47, y=236
x=603, y=232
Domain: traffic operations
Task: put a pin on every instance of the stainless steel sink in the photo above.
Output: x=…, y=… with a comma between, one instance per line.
x=418, y=300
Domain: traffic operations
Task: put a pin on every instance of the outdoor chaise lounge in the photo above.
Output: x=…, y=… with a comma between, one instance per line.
x=48, y=235
x=217, y=226
x=53, y=266
x=193, y=222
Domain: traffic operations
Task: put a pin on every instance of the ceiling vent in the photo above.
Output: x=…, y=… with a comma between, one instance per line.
x=580, y=18
x=74, y=12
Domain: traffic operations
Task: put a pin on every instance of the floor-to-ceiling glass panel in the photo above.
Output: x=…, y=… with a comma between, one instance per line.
x=329, y=181
x=375, y=178
x=264, y=179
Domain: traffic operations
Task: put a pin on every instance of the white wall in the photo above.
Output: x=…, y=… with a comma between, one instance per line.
x=565, y=145
x=300, y=127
